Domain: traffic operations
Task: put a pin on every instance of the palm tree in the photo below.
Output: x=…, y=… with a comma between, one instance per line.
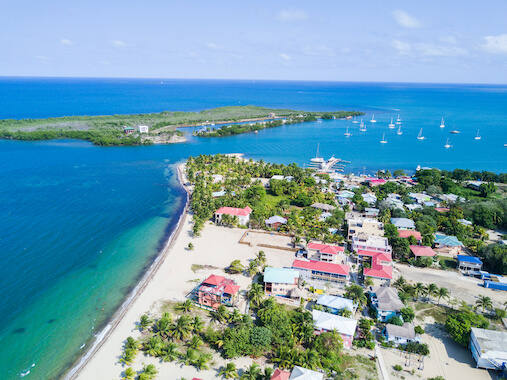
x=202, y=361
x=129, y=374
x=222, y=314
x=252, y=372
x=261, y=258
x=252, y=268
x=236, y=316
x=229, y=371
x=196, y=342
x=356, y=294
x=197, y=324
x=442, y=293
x=170, y=352
x=164, y=325
x=310, y=359
x=145, y=322
x=153, y=346
x=484, y=303
x=345, y=313
x=128, y=356
x=268, y=373
x=185, y=306
x=400, y=282
x=431, y=290
x=132, y=343
x=189, y=357
x=285, y=357
x=182, y=328
x=150, y=371
x=256, y=293
x=419, y=290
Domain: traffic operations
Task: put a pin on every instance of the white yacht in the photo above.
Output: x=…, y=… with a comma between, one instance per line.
x=362, y=128
x=347, y=134
x=447, y=145
x=391, y=124
x=455, y=131
x=399, y=132
x=420, y=136
x=383, y=141
x=442, y=124
x=398, y=120
x=354, y=120
x=373, y=119
x=478, y=137
x=317, y=159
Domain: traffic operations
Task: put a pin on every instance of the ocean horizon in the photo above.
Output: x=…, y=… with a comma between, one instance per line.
x=82, y=223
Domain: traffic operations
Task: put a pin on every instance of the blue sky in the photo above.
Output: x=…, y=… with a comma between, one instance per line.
x=394, y=41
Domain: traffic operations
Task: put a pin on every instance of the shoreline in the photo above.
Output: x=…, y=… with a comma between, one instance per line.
x=102, y=337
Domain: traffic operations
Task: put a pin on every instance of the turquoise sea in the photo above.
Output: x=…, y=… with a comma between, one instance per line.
x=81, y=224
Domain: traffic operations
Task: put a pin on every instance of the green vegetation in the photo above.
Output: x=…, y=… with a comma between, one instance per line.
x=460, y=325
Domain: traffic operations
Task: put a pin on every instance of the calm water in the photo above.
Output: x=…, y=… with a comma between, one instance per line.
x=80, y=223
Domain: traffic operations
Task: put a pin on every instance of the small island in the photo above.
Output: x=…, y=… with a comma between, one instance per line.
x=155, y=128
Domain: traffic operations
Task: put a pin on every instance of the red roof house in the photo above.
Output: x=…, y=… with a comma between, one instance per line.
x=216, y=291
x=376, y=182
x=321, y=271
x=280, y=375
x=442, y=209
x=407, y=233
x=421, y=250
x=380, y=265
x=326, y=253
x=243, y=214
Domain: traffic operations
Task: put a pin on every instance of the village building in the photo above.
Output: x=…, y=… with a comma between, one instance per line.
x=216, y=291
x=376, y=182
x=335, y=304
x=407, y=233
x=143, y=129
x=489, y=348
x=275, y=222
x=381, y=268
x=370, y=212
x=243, y=214
x=325, y=252
x=300, y=373
x=277, y=177
x=465, y=222
x=368, y=226
x=447, y=244
x=217, y=178
x=362, y=242
x=419, y=198
x=386, y=302
x=400, y=334
x=128, y=130
x=413, y=207
x=403, y=223
x=280, y=375
x=280, y=281
x=475, y=185
x=422, y=251
x=469, y=263
x=369, y=198
x=321, y=271
x=323, y=207
x=325, y=322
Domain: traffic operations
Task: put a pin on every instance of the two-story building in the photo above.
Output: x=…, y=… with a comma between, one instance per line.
x=243, y=214
x=216, y=291
x=335, y=304
x=280, y=281
x=449, y=245
x=321, y=271
x=325, y=252
x=362, y=242
x=325, y=322
x=469, y=263
x=489, y=348
x=368, y=226
x=380, y=265
x=386, y=302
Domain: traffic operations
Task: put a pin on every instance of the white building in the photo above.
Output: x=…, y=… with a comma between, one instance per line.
x=369, y=226
x=371, y=243
x=143, y=129
x=325, y=322
x=371, y=199
x=300, y=373
x=400, y=334
x=489, y=348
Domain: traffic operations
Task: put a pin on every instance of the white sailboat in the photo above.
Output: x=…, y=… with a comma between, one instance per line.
x=442, y=124
x=420, y=136
x=398, y=120
x=362, y=127
x=399, y=132
x=317, y=159
x=354, y=121
x=383, y=141
x=373, y=119
x=455, y=131
x=391, y=124
x=347, y=134
x=447, y=145
x=478, y=137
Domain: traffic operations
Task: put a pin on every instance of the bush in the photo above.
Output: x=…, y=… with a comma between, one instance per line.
x=398, y=367
x=407, y=313
x=460, y=325
x=419, y=330
x=395, y=321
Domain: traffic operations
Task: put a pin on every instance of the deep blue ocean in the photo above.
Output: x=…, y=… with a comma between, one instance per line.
x=80, y=224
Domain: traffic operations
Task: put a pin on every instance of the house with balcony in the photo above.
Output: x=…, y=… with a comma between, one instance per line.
x=312, y=270
x=403, y=224
x=368, y=226
x=363, y=242
x=449, y=245
x=335, y=304
x=489, y=349
x=216, y=291
x=370, y=212
x=386, y=302
x=280, y=281
x=325, y=252
x=325, y=322
x=243, y=214
x=469, y=263
x=380, y=265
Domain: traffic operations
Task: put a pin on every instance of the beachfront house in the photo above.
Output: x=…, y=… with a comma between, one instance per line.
x=335, y=304
x=400, y=334
x=422, y=251
x=380, y=265
x=376, y=182
x=325, y=322
x=489, y=348
x=403, y=223
x=385, y=301
x=143, y=129
x=363, y=242
x=216, y=291
x=128, y=130
x=280, y=281
x=243, y=214
x=325, y=252
x=368, y=226
x=321, y=271
x=300, y=373
x=275, y=222
x=449, y=245
x=469, y=263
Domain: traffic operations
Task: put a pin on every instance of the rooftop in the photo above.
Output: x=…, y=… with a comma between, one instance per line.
x=421, y=250
x=321, y=266
x=218, y=285
x=276, y=219
x=451, y=241
x=280, y=275
x=300, y=373
x=387, y=298
x=490, y=340
x=407, y=233
x=337, y=303
x=323, y=206
x=328, y=321
x=234, y=211
x=405, y=331
x=379, y=268
x=326, y=248
x=469, y=259
x=403, y=222
x=280, y=375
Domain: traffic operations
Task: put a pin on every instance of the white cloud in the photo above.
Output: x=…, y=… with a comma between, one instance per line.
x=285, y=56
x=67, y=42
x=320, y=50
x=212, y=46
x=291, y=15
x=402, y=47
x=495, y=44
x=430, y=50
x=451, y=40
x=118, y=43
x=405, y=20
x=43, y=58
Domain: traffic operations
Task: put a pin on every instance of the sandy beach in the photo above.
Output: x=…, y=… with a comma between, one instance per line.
x=171, y=281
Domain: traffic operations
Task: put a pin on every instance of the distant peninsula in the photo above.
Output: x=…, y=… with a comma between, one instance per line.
x=157, y=128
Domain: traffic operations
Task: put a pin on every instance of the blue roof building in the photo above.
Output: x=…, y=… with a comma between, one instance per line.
x=280, y=281
x=469, y=263
x=449, y=241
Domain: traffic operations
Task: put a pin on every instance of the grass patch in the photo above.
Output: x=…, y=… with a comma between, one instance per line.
x=358, y=367
x=196, y=267
x=446, y=262
x=273, y=200
x=438, y=313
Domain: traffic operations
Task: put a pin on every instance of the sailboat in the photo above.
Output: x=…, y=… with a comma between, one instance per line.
x=347, y=134
x=373, y=119
x=398, y=120
x=391, y=124
x=447, y=145
x=317, y=159
x=478, y=137
x=442, y=124
x=420, y=136
x=383, y=141
x=455, y=131
x=354, y=121
x=362, y=128
x=399, y=132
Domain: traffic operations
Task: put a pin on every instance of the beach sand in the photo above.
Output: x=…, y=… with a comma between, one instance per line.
x=171, y=281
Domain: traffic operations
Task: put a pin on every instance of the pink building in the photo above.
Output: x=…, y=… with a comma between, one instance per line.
x=243, y=214
x=380, y=265
x=325, y=252
x=325, y=322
